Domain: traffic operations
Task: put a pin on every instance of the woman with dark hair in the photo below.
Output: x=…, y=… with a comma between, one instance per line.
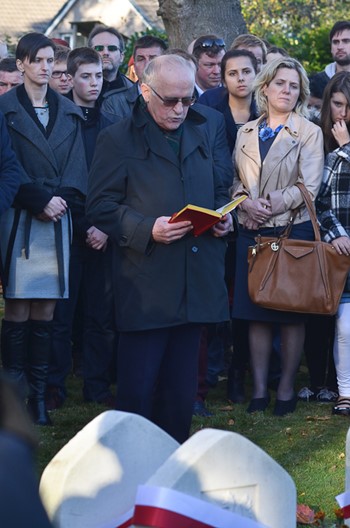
x=272, y=154
x=238, y=71
x=234, y=99
x=35, y=233
x=333, y=206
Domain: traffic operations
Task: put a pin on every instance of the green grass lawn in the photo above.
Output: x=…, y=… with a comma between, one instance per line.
x=309, y=444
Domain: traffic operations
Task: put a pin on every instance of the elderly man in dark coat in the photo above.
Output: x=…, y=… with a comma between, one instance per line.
x=168, y=283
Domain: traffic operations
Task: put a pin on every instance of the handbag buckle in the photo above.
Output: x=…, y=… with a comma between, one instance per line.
x=275, y=246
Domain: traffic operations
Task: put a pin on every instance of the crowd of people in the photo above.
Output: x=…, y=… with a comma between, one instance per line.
x=93, y=166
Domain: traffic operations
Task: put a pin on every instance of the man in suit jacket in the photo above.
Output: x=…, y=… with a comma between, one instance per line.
x=168, y=283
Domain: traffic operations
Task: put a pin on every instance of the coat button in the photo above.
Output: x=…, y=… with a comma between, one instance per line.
x=194, y=249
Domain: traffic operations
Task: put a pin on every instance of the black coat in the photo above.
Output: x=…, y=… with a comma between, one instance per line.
x=135, y=178
x=10, y=170
x=218, y=98
x=52, y=161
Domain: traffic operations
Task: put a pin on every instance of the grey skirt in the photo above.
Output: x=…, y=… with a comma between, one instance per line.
x=34, y=256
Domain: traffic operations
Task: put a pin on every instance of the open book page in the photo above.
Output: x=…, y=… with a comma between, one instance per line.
x=231, y=205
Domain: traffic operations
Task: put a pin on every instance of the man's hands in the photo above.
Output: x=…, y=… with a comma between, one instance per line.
x=223, y=227
x=96, y=239
x=166, y=233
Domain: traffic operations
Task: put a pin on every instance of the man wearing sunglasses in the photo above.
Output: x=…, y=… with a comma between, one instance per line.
x=167, y=282
x=109, y=44
x=208, y=50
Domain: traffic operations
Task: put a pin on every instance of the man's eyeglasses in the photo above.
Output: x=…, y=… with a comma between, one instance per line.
x=112, y=47
x=170, y=102
x=210, y=43
x=58, y=74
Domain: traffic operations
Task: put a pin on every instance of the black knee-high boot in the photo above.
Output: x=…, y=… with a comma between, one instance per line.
x=14, y=352
x=39, y=349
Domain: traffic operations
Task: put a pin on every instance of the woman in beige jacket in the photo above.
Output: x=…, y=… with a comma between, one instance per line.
x=273, y=153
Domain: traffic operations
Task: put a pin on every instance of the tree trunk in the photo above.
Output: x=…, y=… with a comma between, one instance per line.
x=186, y=20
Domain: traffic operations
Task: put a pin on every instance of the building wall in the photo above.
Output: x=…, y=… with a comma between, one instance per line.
x=119, y=14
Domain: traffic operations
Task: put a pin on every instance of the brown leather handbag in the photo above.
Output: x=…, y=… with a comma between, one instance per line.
x=297, y=275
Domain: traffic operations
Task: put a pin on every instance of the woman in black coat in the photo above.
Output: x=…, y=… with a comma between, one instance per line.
x=45, y=133
x=235, y=101
x=10, y=169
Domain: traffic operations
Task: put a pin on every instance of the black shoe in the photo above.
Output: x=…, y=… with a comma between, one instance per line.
x=258, y=404
x=39, y=349
x=235, y=386
x=54, y=398
x=14, y=350
x=342, y=407
x=199, y=409
x=283, y=407
x=38, y=412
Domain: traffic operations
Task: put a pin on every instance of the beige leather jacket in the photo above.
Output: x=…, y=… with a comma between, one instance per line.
x=295, y=156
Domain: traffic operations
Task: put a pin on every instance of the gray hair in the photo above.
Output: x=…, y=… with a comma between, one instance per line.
x=165, y=63
x=269, y=72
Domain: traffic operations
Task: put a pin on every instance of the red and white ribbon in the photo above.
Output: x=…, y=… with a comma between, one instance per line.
x=344, y=502
x=166, y=508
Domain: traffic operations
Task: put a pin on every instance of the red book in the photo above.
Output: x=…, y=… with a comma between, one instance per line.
x=203, y=219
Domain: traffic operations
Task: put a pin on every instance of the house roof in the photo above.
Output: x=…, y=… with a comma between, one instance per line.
x=148, y=10
x=18, y=17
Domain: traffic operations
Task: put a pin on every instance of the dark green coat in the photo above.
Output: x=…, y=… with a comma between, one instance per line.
x=135, y=178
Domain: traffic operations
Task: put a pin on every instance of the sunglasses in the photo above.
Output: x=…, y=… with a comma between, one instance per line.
x=210, y=43
x=110, y=48
x=58, y=74
x=170, y=102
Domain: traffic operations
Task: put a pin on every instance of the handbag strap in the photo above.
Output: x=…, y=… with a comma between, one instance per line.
x=311, y=209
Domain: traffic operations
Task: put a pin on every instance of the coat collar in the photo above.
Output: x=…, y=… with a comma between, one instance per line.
x=292, y=125
x=287, y=139
x=21, y=120
x=192, y=138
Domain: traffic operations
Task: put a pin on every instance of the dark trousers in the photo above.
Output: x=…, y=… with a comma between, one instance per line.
x=100, y=335
x=90, y=274
x=157, y=376
x=61, y=353
x=318, y=347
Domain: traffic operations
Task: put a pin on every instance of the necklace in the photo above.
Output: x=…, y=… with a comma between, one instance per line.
x=266, y=132
x=44, y=105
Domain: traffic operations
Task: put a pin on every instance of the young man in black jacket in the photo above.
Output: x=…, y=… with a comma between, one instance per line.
x=89, y=265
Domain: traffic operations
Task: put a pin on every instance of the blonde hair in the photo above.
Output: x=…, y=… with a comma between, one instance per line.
x=269, y=72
